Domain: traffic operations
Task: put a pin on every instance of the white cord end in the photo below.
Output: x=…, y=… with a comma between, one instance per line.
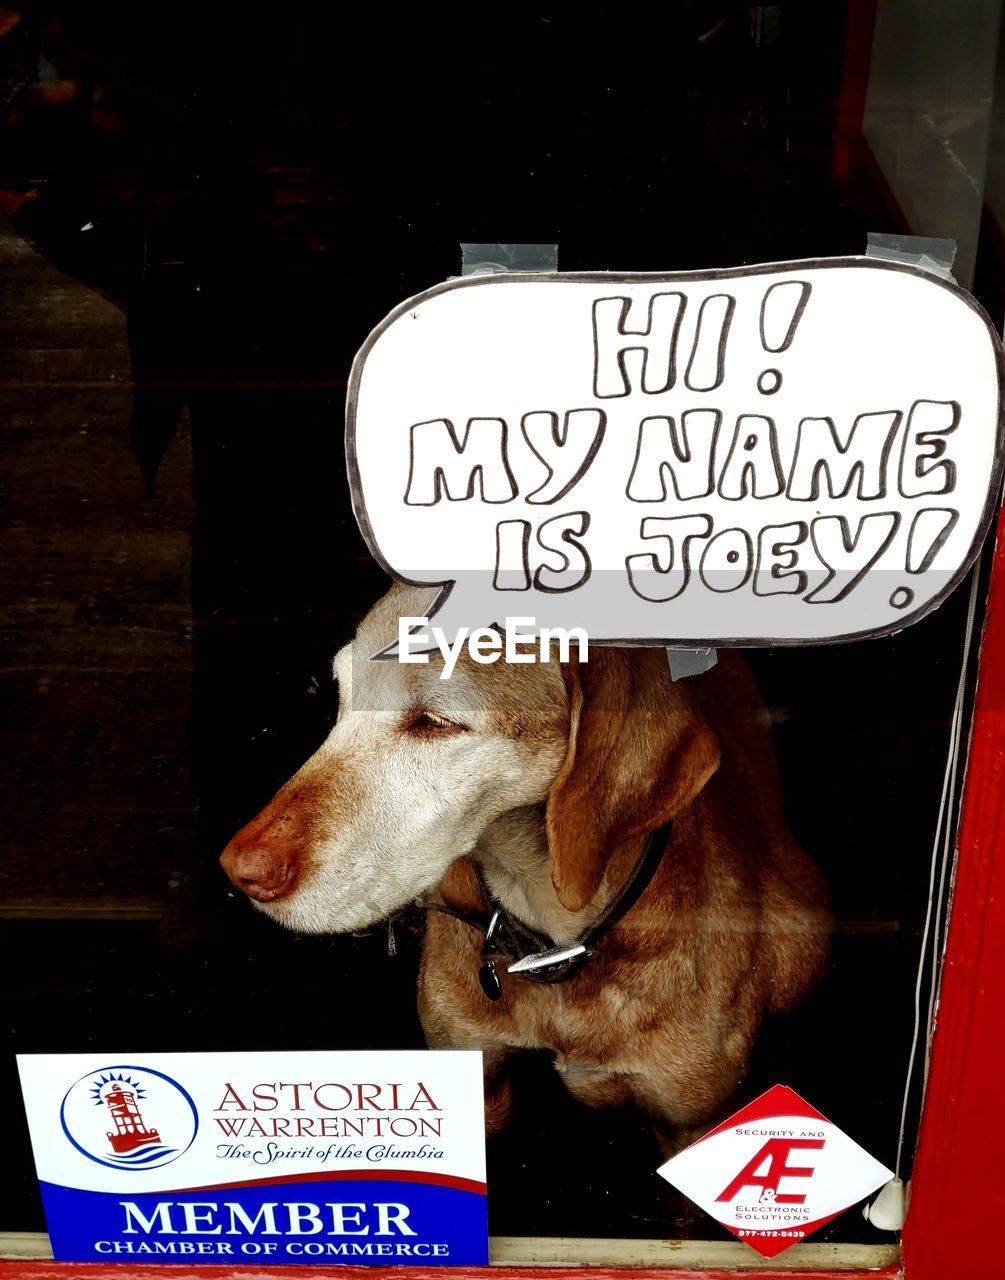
x=887, y=1211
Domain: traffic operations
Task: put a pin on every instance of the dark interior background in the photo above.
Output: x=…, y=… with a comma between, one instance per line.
x=208, y=211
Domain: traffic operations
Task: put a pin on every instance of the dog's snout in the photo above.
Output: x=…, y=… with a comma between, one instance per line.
x=262, y=859
x=263, y=874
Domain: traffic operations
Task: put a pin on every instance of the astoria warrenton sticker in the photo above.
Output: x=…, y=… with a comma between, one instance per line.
x=272, y=1157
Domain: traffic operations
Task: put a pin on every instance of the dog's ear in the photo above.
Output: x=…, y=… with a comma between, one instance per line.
x=639, y=752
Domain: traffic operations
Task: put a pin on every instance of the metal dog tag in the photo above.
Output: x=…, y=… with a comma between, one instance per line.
x=545, y=959
x=489, y=979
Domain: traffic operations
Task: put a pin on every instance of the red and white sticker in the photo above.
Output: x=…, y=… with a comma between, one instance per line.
x=775, y=1171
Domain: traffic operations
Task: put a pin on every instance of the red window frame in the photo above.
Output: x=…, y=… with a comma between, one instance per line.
x=955, y=1198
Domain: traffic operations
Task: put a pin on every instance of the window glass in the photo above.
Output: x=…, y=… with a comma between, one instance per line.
x=205, y=216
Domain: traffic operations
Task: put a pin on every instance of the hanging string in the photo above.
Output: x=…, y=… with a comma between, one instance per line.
x=942, y=847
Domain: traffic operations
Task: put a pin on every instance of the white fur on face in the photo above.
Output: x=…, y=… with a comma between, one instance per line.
x=393, y=796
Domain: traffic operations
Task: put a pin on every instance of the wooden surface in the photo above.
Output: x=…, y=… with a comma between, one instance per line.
x=13, y=1270
x=556, y=1253
x=68, y=1270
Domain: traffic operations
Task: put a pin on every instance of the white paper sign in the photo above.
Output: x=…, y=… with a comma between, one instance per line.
x=801, y=452
x=284, y=1157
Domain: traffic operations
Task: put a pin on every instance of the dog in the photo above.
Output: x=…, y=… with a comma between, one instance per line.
x=541, y=786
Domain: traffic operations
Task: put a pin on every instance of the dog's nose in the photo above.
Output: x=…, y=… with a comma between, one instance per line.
x=263, y=859
x=263, y=874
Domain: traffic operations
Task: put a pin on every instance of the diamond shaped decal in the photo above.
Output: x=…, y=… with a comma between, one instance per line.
x=775, y=1171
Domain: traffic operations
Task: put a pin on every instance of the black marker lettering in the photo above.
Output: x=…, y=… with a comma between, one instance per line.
x=441, y=464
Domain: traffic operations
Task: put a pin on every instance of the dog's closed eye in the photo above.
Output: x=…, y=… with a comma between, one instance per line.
x=430, y=724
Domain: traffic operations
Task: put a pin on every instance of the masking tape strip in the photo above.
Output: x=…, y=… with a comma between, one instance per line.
x=690, y=662
x=927, y=252
x=497, y=259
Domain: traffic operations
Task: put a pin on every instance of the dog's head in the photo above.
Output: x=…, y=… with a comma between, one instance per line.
x=417, y=768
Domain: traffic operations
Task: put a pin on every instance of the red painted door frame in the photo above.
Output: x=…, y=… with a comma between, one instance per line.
x=957, y=1192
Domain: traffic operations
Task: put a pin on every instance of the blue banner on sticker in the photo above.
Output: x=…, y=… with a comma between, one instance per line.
x=388, y=1222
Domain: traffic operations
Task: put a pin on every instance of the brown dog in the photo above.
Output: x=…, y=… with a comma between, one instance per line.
x=549, y=779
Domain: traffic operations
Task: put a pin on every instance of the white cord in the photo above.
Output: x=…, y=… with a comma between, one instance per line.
x=941, y=857
x=949, y=828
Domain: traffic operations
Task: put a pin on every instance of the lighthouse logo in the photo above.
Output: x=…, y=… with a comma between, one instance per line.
x=129, y=1117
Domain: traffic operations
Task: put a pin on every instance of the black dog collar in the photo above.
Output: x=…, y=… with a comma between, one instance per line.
x=535, y=956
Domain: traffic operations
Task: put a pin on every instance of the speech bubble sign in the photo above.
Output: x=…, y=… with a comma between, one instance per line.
x=803, y=452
